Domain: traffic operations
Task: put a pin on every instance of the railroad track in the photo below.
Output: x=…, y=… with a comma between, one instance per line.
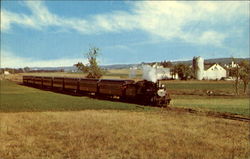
x=212, y=114
x=235, y=118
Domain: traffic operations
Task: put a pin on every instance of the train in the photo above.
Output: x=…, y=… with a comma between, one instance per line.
x=141, y=92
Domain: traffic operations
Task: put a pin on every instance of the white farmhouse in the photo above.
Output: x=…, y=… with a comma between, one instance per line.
x=214, y=72
x=232, y=65
x=6, y=73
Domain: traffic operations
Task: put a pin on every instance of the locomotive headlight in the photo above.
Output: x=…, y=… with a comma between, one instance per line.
x=161, y=92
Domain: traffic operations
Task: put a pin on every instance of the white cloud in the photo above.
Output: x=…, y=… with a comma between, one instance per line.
x=7, y=18
x=8, y=59
x=165, y=19
x=207, y=38
x=212, y=37
x=123, y=47
x=41, y=17
x=41, y=14
x=168, y=19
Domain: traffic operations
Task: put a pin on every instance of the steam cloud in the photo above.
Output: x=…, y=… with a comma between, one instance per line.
x=149, y=73
x=132, y=73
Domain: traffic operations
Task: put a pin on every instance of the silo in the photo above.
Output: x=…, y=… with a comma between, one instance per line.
x=198, y=65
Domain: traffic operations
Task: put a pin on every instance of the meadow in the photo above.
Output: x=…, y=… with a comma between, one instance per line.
x=188, y=94
x=18, y=98
x=121, y=134
x=42, y=124
x=193, y=94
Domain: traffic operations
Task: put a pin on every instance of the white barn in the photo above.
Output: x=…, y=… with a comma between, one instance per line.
x=214, y=72
x=6, y=72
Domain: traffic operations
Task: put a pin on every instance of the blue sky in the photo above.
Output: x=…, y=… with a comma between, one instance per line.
x=58, y=33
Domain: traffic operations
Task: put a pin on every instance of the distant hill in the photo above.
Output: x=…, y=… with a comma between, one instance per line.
x=72, y=68
x=124, y=66
x=65, y=68
x=119, y=66
x=217, y=60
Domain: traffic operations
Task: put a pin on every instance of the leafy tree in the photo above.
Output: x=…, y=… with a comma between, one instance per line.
x=20, y=70
x=1, y=71
x=92, y=69
x=81, y=67
x=241, y=72
x=235, y=73
x=166, y=64
x=183, y=71
x=245, y=74
x=26, y=69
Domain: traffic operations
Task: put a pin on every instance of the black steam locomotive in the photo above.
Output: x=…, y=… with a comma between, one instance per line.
x=142, y=92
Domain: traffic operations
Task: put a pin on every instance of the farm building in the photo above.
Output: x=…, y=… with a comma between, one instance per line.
x=6, y=72
x=231, y=65
x=207, y=72
x=198, y=66
x=214, y=72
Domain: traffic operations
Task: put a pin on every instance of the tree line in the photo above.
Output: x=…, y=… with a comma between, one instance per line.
x=25, y=70
x=241, y=72
x=15, y=70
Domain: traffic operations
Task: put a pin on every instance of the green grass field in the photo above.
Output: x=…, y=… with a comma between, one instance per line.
x=52, y=126
x=17, y=98
x=201, y=87
x=219, y=104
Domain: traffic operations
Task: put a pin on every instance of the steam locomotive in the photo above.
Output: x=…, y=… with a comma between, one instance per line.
x=141, y=92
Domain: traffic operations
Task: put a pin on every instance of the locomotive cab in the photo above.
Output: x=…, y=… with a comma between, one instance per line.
x=152, y=93
x=162, y=97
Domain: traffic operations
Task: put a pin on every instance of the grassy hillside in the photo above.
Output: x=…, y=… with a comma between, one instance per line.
x=221, y=61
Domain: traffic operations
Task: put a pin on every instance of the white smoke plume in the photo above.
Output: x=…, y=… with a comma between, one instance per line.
x=149, y=73
x=132, y=73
